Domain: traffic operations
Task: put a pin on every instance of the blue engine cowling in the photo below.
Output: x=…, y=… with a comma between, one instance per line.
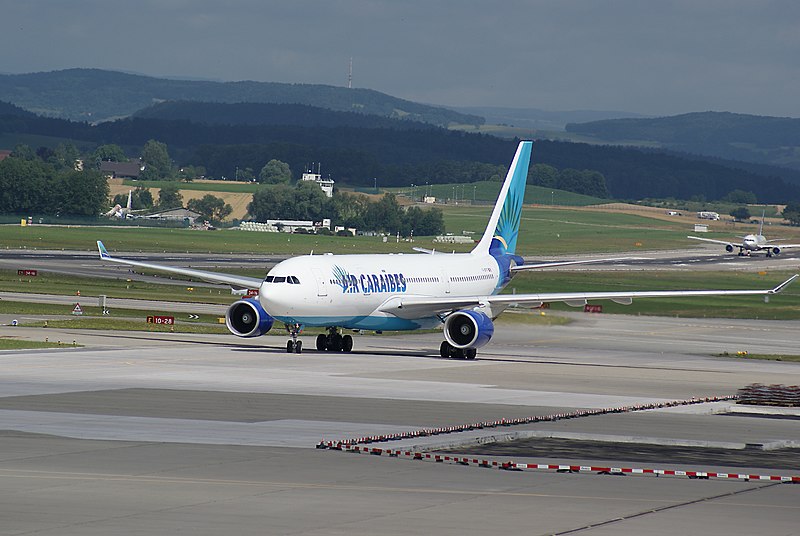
x=729, y=248
x=468, y=329
x=776, y=250
x=246, y=318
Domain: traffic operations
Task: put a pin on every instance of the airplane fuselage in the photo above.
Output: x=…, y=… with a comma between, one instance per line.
x=754, y=242
x=348, y=290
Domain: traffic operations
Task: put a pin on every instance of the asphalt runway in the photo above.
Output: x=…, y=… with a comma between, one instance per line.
x=162, y=434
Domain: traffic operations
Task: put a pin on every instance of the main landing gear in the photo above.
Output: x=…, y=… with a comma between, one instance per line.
x=293, y=346
x=448, y=351
x=334, y=341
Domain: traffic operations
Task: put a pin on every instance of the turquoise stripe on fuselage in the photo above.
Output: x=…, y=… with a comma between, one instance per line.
x=371, y=323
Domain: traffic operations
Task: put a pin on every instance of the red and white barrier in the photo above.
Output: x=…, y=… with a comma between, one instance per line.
x=564, y=468
x=352, y=445
x=426, y=432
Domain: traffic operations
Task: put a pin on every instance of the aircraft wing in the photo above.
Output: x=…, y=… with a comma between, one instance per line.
x=421, y=306
x=770, y=244
x=723, y=242
x=235, y=281
x=554, y=264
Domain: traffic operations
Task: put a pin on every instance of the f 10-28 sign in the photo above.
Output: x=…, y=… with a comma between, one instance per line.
x=162, y=320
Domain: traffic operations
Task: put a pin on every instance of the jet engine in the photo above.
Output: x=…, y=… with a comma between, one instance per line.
x=246, y=318
x=729, y=248
x=776, y=250
x=468, y=329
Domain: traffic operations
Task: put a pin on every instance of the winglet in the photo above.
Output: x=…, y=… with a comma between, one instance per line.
x=785, y=284
x=102, y=249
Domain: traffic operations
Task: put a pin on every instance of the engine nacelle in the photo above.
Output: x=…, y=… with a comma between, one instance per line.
x=246, y=318
x=776, y=250
x=729, y=248
x=468, y=329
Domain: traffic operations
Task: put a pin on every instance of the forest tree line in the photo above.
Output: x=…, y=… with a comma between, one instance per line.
x=62, y=182
x=358, y=156
x=47, y=182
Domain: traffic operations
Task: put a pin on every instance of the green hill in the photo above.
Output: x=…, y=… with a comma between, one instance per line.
x=751, y=138
x=261, y=113
x=97, y=95
x=9, y=109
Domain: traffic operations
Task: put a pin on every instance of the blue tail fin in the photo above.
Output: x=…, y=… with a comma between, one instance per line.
x=500, y=237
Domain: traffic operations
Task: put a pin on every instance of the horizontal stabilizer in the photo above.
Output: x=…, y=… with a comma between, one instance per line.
x=555, y=264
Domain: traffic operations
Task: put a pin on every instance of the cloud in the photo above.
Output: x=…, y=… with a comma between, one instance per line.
x=656, y=58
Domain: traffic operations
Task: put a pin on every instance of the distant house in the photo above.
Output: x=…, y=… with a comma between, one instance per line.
x=4, y=154
x=121, y=170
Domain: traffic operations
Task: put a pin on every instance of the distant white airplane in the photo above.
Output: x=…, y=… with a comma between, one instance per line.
x=458, y=291
x=118, y=211
x=751, y=243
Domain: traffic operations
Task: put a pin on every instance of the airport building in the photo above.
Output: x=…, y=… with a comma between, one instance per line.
x=325, y=184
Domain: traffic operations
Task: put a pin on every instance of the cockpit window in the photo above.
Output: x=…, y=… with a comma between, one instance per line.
x=291, y=279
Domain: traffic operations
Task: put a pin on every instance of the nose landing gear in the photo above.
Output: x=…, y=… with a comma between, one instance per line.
x=293, y=346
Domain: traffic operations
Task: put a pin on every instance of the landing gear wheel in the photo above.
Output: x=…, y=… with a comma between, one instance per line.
x=322, y=342
x=471, y=353
x=293, y=346
x=336, y=343
x=347, y=344
x=444, y=349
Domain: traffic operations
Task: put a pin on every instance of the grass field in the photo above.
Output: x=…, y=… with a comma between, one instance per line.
x=547, y=231
x=48, y=309
x=764, y=357
x=229, y=241
x=543, y=231
x=90, y=288
x=486, y=193
x=10, y=343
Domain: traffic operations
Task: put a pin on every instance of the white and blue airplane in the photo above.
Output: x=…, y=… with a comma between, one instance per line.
x=752, y=243
x=459, y=292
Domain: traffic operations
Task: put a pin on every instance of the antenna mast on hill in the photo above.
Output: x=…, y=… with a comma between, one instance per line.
x=350, y=75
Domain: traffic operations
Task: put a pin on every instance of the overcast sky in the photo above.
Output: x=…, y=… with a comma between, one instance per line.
x=651, y=57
